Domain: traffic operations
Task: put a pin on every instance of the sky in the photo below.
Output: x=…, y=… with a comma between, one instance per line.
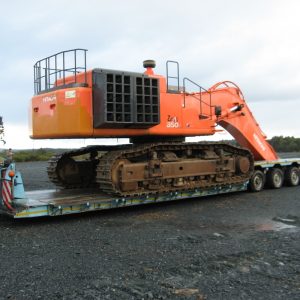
x=254, y=43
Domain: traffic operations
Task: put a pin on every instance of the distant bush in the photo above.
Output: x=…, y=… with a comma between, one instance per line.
x=281, y=143
x=30, y=155
x=285, y=144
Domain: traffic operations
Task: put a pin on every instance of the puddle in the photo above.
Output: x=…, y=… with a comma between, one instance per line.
x=289, y=219
x=290, y=223
x=277, y=226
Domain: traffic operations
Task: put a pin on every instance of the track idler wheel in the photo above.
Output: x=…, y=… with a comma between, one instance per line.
x=243, y=165
x=74, y=174
x=68, y=171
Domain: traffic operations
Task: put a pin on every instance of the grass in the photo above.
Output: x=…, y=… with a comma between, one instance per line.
x=30, y=155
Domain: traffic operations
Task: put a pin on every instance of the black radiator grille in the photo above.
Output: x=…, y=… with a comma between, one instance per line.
x=118, y=98
x=123, y=99
x=147, y=106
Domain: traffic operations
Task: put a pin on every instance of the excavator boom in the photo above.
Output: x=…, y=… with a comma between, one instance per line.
x=236, y=118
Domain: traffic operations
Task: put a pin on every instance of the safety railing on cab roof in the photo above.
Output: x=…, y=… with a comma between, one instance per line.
x=59, y=69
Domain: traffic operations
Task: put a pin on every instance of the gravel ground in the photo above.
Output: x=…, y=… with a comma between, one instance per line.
x=235, y=246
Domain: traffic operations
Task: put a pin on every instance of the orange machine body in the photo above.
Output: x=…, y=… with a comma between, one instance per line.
x=68, y=112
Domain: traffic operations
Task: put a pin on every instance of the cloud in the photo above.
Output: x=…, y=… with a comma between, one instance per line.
x=253, y=43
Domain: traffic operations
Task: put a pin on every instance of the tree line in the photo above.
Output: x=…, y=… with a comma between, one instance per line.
x=285, y=144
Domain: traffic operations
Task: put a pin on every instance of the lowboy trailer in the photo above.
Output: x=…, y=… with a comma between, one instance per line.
x=17, y=203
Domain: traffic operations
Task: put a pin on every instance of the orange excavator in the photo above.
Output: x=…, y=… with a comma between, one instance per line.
x=157, y=113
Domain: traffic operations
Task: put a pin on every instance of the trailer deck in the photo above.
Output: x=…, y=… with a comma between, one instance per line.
x=282, y=162
x=17, y=203
x=62, y=202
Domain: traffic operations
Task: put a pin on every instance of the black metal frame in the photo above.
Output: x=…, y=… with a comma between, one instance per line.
x=125, y=99
x=201, y=89
x=48, y=70
x=172, y=77
x=185, y=79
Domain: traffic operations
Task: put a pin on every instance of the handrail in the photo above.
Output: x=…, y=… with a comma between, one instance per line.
x=172, y=77
x=56, y=66
x=227, y=83
x=201, y=89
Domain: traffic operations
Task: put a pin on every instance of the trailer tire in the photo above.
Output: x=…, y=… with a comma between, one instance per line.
x=257, y=181
x=275, y=178
x=292, y=176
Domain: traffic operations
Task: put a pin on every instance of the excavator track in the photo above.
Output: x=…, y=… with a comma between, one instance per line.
x=143, y=169
x=68, y=170
x=172, y=167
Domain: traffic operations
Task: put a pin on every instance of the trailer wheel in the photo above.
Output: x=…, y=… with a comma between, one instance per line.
x=257, y=181
x=292, y=176
x=275, y=178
